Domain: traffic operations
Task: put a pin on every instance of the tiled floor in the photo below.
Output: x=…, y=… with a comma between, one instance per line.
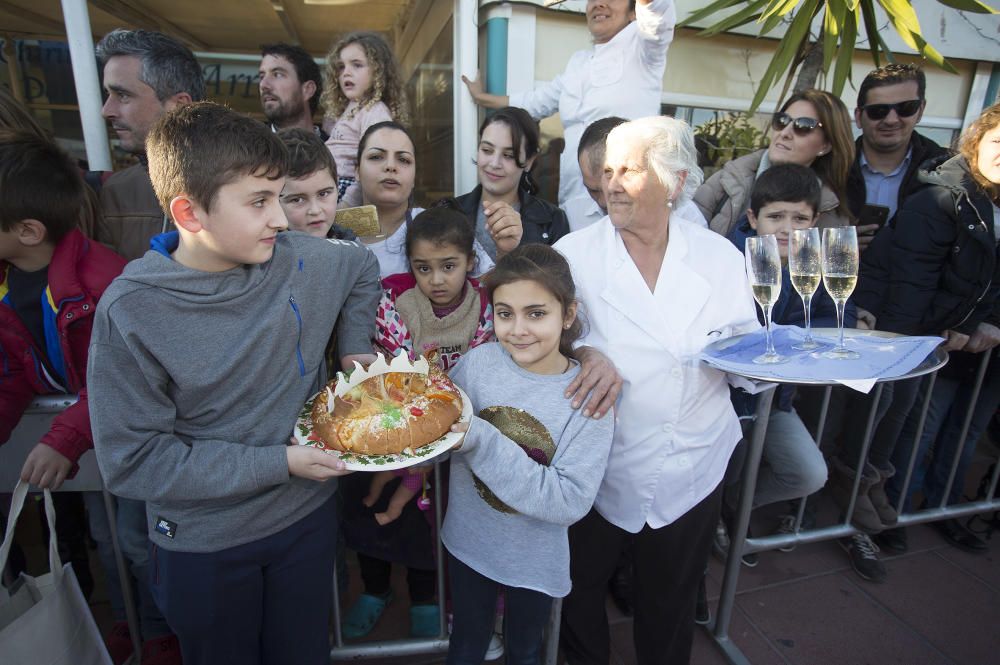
x=938, y=606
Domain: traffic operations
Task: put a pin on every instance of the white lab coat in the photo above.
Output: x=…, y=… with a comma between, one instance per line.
x=675, y=427
x=623, y=77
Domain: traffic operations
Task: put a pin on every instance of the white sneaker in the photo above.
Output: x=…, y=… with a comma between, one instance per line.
x=496, y=647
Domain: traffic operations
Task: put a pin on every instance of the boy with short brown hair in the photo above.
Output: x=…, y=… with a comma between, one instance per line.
x=204, y=352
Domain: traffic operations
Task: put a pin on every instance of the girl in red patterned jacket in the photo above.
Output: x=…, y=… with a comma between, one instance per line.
x=437, y=309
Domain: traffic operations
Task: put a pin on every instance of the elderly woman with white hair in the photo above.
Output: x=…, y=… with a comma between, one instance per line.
x=655, y=290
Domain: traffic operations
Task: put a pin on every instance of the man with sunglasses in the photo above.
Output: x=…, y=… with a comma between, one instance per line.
x=889, y=152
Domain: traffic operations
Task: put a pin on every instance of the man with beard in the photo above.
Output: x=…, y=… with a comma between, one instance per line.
x=146, y=74
x=290, y=86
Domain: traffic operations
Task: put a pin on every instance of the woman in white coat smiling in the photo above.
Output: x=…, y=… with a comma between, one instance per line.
x=654, y=292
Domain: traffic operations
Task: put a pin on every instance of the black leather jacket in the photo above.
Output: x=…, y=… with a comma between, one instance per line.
x=542, y=221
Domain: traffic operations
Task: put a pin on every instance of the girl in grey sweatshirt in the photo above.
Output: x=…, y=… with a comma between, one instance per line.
x=529, y=466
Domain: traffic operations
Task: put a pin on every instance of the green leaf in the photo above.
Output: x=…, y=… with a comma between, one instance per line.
x=933, y=55
x=716, y=6
x=833, y=21
x=788, y=48
x=903, y=18
x=969, y=6
x=845, y=56
x=746, y=15
x=771, y=23
x=779, y=8
x=871, y=29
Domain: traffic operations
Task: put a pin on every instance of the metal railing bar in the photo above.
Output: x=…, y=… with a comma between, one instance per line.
x=824, y=413
x=748, y=485
x=859, y=467
x=960, y=444
x=911, y=464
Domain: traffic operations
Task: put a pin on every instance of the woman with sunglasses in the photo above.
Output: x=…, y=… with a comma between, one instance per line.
x=813, y=129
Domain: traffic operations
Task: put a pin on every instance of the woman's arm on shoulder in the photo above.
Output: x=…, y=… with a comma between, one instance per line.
x=598, y=382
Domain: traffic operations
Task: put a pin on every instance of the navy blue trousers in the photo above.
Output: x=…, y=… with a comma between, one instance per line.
x=268, y=602
x=474, y=607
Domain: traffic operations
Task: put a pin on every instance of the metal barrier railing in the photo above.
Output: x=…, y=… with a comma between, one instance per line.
x=35, y=422
x=740, y=544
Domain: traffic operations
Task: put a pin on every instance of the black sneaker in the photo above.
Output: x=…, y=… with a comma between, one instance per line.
x=750, y=559
x=786, y=526
x=894, y=540
x=958, y=536
x=864, y=557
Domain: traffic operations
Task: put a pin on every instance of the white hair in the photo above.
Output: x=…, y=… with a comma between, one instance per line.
x=668, y=151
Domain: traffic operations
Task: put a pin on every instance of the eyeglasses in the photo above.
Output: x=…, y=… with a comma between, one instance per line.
x=903, y=109
x=800, y=126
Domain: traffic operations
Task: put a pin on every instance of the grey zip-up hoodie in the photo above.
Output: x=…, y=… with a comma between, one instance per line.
x=195, y=381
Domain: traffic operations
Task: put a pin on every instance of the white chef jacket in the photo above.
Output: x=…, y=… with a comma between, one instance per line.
x=675, y=427
x=623, y=77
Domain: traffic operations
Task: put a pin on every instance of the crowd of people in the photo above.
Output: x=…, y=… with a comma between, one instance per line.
x=242, y=295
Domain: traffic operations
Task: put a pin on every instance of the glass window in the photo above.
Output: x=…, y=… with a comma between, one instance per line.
x=430, y=93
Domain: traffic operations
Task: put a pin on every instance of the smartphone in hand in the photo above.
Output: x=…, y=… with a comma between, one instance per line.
x=872, y=215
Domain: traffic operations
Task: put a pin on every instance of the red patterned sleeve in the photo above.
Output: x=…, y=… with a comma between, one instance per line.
x=391, y=332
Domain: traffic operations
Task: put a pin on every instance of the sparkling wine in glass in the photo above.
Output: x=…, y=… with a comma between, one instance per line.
x=840, y=274
x=764, y=271
x=805, y=268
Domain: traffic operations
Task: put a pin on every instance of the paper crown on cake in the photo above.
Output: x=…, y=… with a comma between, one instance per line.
x=400, y=363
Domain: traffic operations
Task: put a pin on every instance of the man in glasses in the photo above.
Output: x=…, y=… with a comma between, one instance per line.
x=890, y=104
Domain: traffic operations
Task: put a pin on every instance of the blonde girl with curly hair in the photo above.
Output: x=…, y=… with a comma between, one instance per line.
x=363, y=87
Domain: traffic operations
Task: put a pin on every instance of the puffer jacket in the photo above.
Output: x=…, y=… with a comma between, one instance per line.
x=130, y=213
x=725, y=196
x=78, y=274
x=935, y=268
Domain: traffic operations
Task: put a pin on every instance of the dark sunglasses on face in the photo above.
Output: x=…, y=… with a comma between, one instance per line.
x=903, y=109
x=800, y=126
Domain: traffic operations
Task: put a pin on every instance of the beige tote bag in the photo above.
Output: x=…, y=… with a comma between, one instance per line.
x=45, y=620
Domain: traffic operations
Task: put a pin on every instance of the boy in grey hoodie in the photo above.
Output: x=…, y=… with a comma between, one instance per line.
x=202, y=355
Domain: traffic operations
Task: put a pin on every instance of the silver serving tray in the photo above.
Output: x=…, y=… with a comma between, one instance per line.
x=932, y=363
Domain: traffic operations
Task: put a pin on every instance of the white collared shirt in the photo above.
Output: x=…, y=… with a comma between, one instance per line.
x=675, y=427
x=623, y=77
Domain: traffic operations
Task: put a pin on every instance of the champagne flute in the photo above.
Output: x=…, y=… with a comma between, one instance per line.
x=804, y=267
x=764, y=271
x=840, y=274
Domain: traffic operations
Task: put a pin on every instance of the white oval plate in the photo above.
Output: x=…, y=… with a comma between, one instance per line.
x=356, y=462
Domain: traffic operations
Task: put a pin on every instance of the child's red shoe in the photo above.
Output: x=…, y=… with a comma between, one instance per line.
x=164, y=650
x=119, y=643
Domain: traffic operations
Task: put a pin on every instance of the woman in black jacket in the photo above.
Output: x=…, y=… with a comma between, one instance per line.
x=934, y=272
x=505, y=196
